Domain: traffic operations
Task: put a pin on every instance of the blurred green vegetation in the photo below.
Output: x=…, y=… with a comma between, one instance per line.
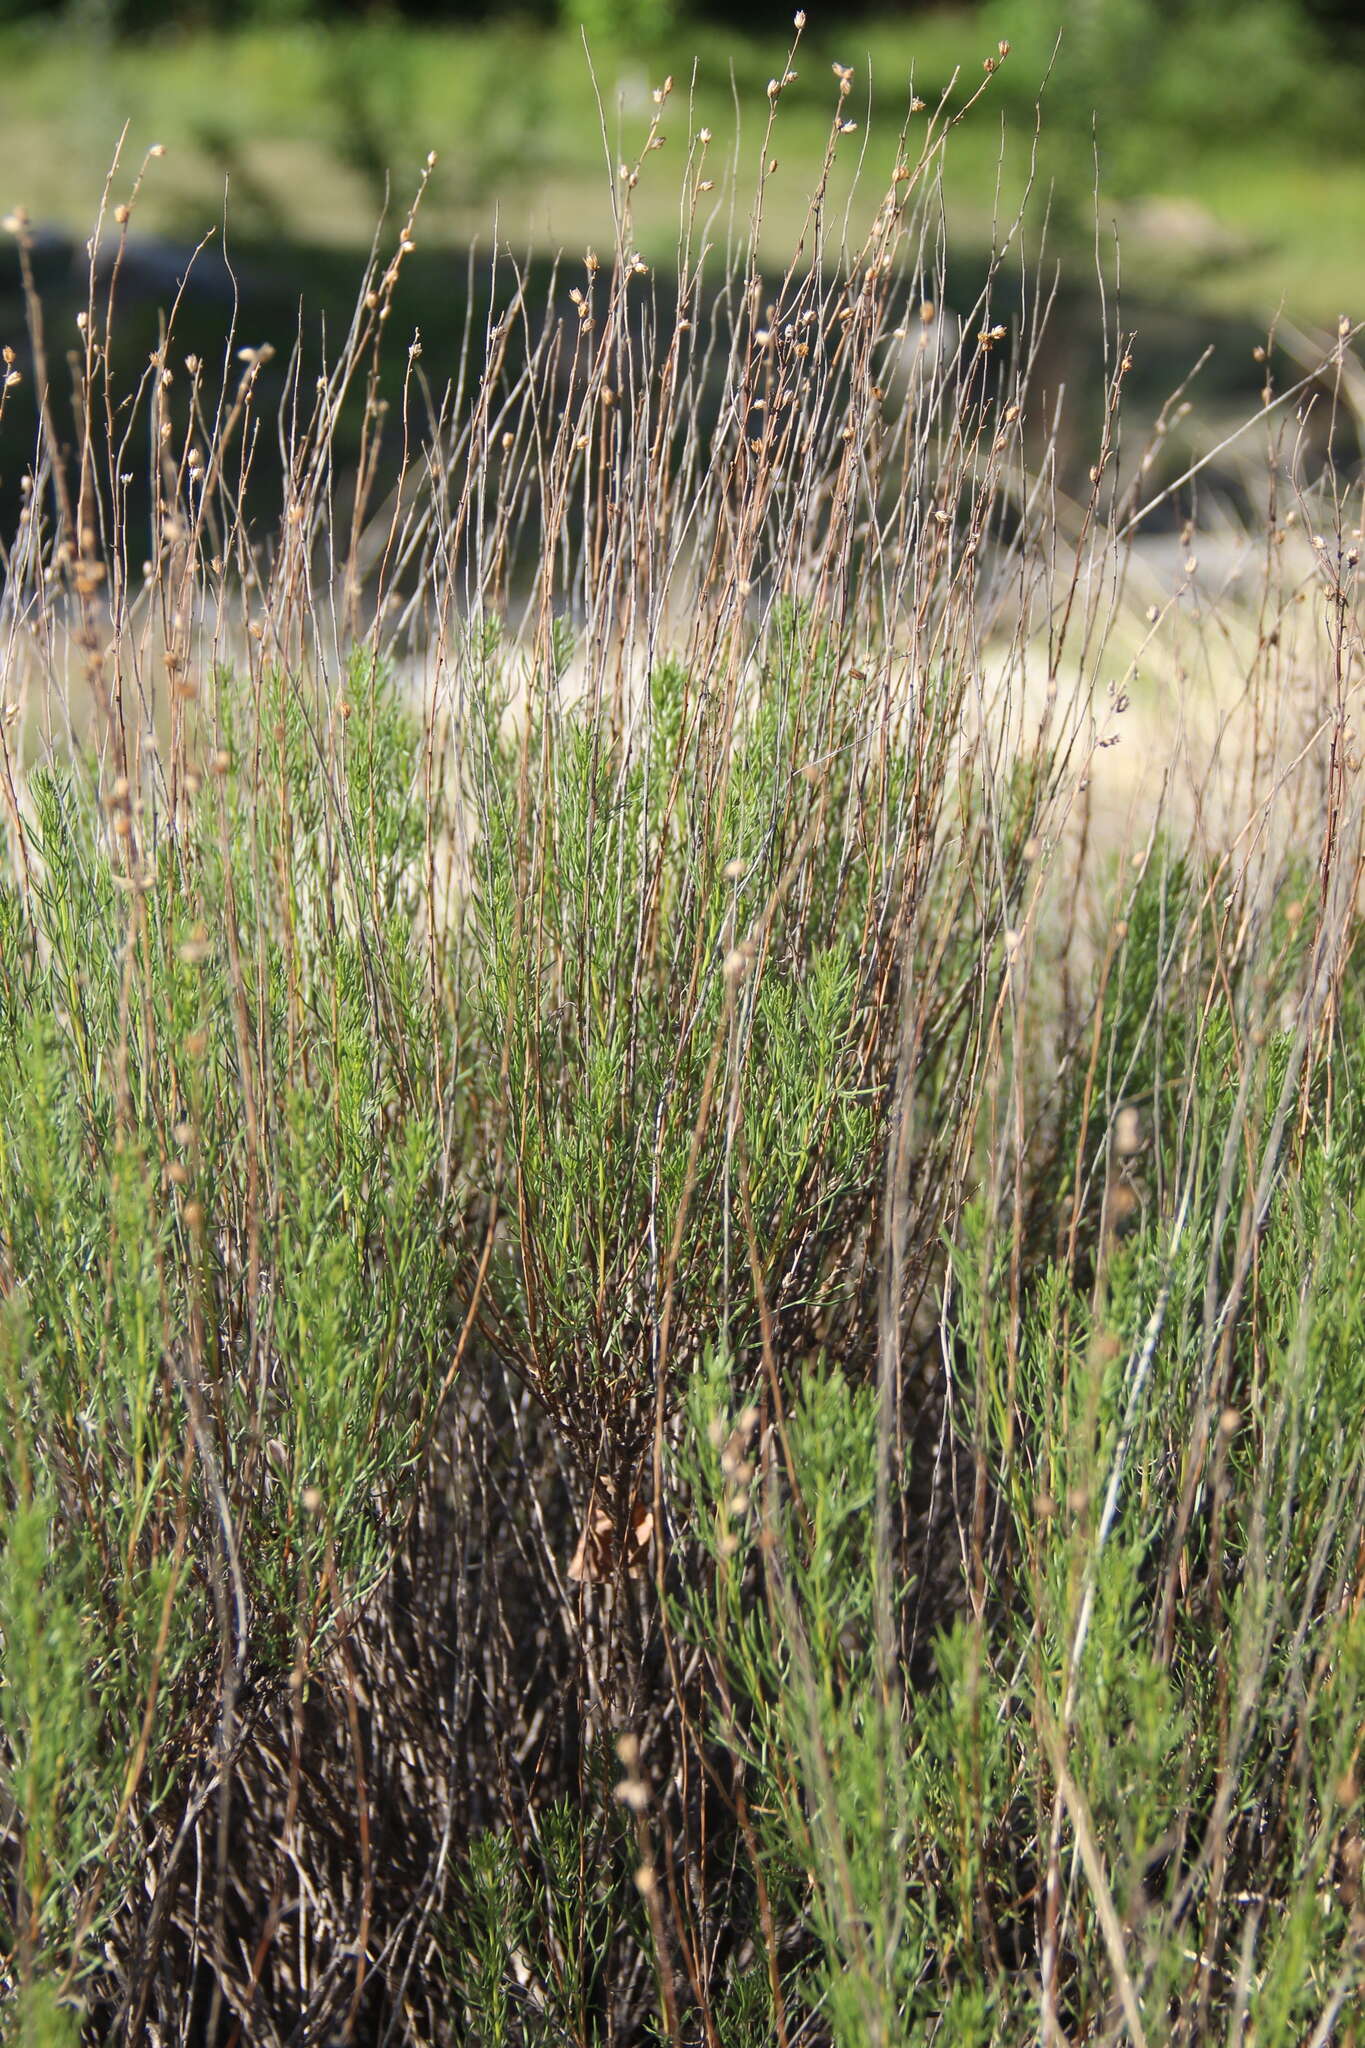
x=636, y=17
x=1225, y=159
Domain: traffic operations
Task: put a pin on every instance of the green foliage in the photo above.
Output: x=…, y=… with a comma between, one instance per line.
x=634, y=23
x=682, y=1065
x=219, y=1164
x=673, y=1438
x=1274, y=63
x=531, y=1928
x=221, y=1343
x=797, y=1687
x=900, y=1831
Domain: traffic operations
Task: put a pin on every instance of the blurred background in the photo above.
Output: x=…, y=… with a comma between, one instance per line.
x=1207, y=160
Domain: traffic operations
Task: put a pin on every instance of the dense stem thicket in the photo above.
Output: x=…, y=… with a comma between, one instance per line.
x=680, y=1190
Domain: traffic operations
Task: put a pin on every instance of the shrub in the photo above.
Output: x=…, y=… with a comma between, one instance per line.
x=677, y=1332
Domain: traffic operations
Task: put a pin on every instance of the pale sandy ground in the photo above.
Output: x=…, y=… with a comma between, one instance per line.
x=1208, y=702
x=1212, y=703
